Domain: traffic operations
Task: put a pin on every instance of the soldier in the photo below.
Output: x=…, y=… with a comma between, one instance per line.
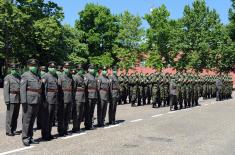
x=173, y=94
x=180, y=90
x=140, y=88
x=104, y=92
x=133, y=89
x=115, y=94
x=30, y=93
x=50, y=81
x=156, y=90
x=66, y=85
x=92, y=96
x=12, y=98
x=219, y=86
x=42, y=72
x=79, y=98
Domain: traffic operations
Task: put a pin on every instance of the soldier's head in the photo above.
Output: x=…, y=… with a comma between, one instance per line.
x=52, y=67
x=80, y=69
x=14, y=67
x=114, y=69
x=33, y=65
x=66, y=67
x=104, y=70
x=91, y=69
x=59, y=68
x=43, y=70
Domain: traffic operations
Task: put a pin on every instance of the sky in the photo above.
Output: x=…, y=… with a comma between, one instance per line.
x=139, y=7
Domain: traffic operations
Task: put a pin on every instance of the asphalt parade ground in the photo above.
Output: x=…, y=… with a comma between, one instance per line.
x=208, y=129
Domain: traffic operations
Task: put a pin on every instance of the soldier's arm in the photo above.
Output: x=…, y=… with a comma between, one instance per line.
x=6, y=90
x=23, y=89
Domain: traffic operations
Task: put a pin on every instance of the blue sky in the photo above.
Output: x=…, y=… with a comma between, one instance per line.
x=139, y=7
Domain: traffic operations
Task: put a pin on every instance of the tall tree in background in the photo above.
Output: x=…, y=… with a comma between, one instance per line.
x=31, y=28
x=202, y=34
x=158, y=36
x=129, y=39
x=100, y=30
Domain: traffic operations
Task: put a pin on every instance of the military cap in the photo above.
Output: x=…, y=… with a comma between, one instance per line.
x=43, y=68
x=14, y=65
x=79, y=66
x=59, y=67
x=91, y=66
x=104, y=68
x=52, y=64
x=32, y=62
x=114, y=68
x=67, y=63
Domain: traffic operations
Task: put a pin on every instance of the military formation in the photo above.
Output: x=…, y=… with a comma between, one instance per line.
x=55, y=95
x=181, y=90
x=59, y=95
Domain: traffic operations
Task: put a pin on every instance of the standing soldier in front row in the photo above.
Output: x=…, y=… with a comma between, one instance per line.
x=12, y=99
x=92, y=96
x=114, y=94
x=42, y=72
x=30, y=93
x=50, y=81
x=79, y=86
x=66, y=84
x=104, y=92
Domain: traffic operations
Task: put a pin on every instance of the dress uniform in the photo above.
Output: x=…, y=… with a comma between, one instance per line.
x=104, y=93
x=115, y=94
x=79, y=85
x=40, y=116
x=66, y=85
x=50, y=81
x=173, y=94
x=12, y=99
x=30, y=93
x=92, y=96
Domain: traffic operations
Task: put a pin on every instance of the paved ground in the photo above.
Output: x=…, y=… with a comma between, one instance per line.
x=203, y=130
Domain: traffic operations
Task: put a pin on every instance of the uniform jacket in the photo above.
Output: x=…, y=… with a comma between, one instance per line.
x=51, y=88
x=11, y=89
x=79, y=88
x=30, y=88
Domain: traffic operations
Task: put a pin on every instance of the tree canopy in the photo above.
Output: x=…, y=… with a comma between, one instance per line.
x=197, y=40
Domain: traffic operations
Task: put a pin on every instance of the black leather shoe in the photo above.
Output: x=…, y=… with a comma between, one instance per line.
x=10, y=134
x=32, y=141
x=26, y=143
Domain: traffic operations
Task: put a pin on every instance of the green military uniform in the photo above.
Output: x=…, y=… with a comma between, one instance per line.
x=11, y=93
x=31, y=95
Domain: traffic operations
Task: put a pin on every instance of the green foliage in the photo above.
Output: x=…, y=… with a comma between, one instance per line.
x=99, y=27
x=129, y=40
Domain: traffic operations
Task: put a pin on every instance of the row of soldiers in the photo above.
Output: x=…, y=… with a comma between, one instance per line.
x=156, y=87
x=58, y=93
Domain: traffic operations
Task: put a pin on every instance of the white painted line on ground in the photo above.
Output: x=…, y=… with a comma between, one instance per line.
x=171, y=112
x=137, y=120
x=157, y=115
x=206, y=105
x=75, y=135
x=112, y=126
x=17, y=150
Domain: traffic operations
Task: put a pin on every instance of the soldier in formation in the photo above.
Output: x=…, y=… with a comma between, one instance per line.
x=59, y=94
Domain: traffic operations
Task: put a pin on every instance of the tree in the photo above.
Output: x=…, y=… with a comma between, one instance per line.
x=31, y=29
x=129, y=39
x=159, y=34
x=202, y=34
x=77, y=52
x=100, y=30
